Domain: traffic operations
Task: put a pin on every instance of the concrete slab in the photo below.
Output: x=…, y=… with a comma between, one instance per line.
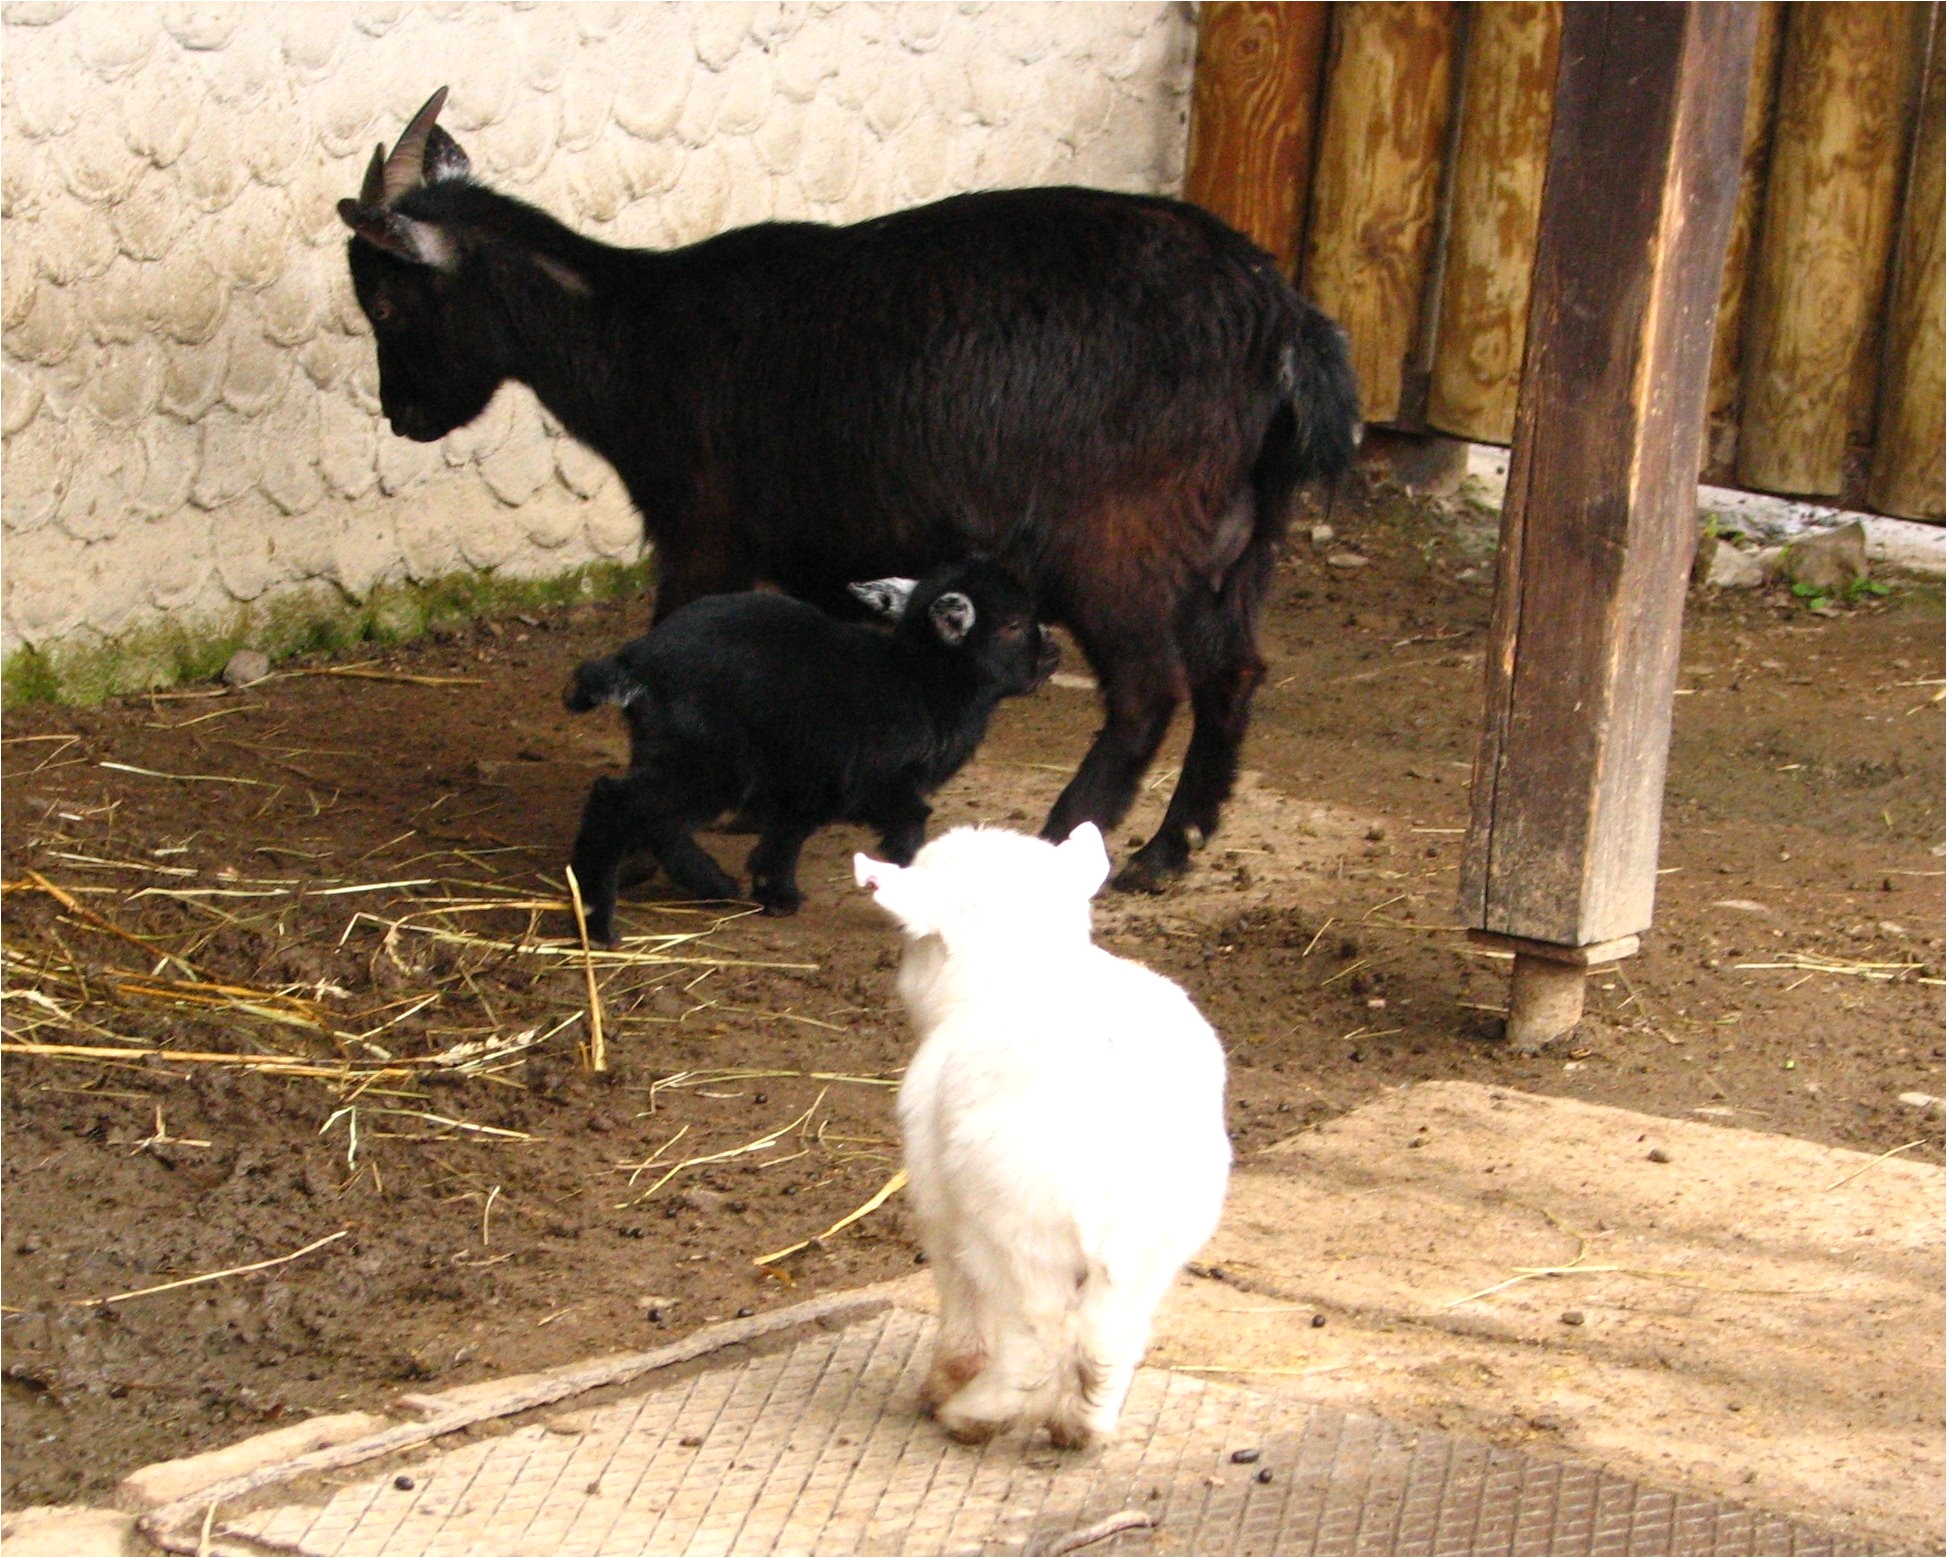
x=1735, y=1311
x=67, y=1531
x=1549, y=1327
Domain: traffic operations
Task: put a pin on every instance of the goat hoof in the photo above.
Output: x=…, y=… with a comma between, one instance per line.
x=1070, y=1436
x=1147, y=874
x=780, y=906
x=970, y=1430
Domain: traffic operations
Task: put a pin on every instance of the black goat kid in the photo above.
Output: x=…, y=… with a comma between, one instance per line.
x=1114, y=395
x=764, y=703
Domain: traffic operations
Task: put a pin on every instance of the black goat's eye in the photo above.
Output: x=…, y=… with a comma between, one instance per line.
x=381, y=310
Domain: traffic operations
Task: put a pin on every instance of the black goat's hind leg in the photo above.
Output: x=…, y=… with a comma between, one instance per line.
x=1220, y=649
x=1142, y=695
x=689, y=865
x=1223, y=711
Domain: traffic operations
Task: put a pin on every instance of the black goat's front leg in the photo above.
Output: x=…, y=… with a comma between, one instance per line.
x=773, y=862
x=900, y=816
x=1142, y=695
x=610, y=828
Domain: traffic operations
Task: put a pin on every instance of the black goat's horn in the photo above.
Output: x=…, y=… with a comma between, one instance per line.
x=371, y=194
x=406, y=168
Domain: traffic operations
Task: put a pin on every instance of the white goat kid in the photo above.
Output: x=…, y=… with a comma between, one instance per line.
x=1064, y=1130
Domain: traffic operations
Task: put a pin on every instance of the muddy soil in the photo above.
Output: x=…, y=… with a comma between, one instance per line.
x=294, y=960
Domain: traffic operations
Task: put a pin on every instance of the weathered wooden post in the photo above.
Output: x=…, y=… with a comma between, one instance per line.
x=1254, y=117
x=1911, y=436
x=1600, y=519
x=1811, y=325
x=1507, y=100
x=1376, y=185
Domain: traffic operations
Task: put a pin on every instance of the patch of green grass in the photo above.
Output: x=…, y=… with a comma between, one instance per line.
x=321, y=619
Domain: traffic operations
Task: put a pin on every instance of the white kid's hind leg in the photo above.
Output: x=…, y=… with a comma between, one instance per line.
x=961, y=1350
x=1112, y=1333
x=1024, y=1316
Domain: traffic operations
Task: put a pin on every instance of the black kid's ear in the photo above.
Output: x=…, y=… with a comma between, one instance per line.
x=888, y=597
x=953, y=616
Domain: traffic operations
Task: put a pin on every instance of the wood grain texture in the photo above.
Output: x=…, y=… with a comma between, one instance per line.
x=1600, y=518
x=1906, y=476
x=1826, y=240
x=1720, y=451
x=1254, y=117
x=1507, y=101
x=1376, y=186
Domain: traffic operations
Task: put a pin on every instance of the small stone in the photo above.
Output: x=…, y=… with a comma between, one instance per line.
x=1724, y=567
x=403, y=1483
x=1892, y=928
x=1317, y=1321
x=1572, y=1317
x=1828, y=561
x=1264, y=1474
x=1346, y=560
x=1322, y=533
x=746, y=1312
x=691, y=1441
x=1244, y=1457
x=1658, y=1155
x=246, y=666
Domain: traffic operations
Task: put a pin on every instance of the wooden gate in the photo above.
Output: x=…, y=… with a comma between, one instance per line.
x=1390, y=154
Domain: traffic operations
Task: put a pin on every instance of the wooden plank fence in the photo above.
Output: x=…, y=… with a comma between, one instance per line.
x=1390, y=153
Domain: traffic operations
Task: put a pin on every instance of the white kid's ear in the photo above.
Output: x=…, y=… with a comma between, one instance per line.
x=903, y=893
x=888, y=597
x=1086, y=856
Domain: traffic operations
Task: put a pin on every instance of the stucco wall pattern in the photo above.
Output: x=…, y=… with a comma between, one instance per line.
x=188, y=394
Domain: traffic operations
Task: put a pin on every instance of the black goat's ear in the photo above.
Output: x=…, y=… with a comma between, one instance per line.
x=953, y=616
x=888, y=597
x=444, y=159
x=421, y=243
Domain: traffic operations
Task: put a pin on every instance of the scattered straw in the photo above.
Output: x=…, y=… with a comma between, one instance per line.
x=152, y=773
x=885, y=1193
x=1863, y=1168
x=1819, y=963
x=767, y=1140
x=597, y=1047
x=213, y=1276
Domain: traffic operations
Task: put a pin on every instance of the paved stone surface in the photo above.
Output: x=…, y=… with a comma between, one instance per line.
x=820, y=1449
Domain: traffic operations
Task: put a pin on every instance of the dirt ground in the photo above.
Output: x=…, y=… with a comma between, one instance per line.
x=331, y=901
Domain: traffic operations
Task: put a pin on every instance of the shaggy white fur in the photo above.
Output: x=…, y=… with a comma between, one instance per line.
x=1064, y=1130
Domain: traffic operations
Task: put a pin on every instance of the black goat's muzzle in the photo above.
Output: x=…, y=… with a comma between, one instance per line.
x=1045, y=661
x=417, y=426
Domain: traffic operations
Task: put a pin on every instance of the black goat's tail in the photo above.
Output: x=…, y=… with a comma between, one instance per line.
x=600, y=681
x=1315, y=432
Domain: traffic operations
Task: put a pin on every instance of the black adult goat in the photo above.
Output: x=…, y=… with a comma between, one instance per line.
x=1113, y=395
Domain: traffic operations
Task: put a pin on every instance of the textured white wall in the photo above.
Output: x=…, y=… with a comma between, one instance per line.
x=190, y=400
